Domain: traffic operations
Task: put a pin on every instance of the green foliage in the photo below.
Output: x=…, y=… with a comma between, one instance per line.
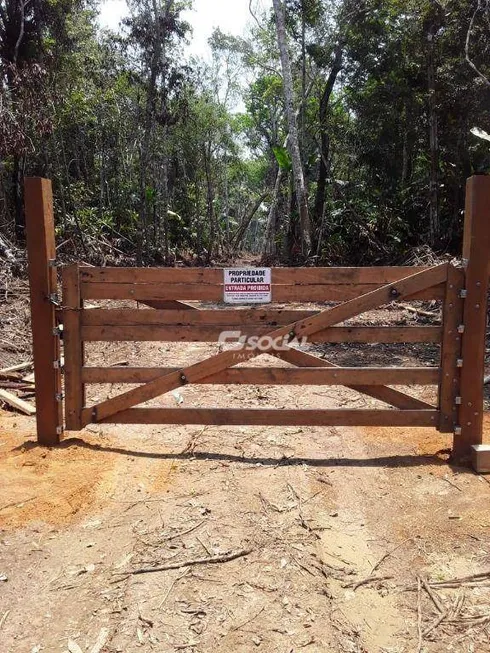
x=163, y=157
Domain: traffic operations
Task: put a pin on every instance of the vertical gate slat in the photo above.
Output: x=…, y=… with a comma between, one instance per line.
x=73, y=348
x=449, y=386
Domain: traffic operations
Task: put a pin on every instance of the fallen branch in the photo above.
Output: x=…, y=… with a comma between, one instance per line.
x=366, y=581
x=389, y=553
x=434, y=598
x=17, y=403
x=419, y=311
x=419, y=616
x=456, y=582
x=211, y=560
x=186, y=532
x=17, y=368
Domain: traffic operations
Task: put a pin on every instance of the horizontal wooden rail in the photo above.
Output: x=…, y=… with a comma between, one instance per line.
x=265, y=417
x=237, y=317
x=375, y=376
x=214, y=293
x=280, y=276
x=173, y=333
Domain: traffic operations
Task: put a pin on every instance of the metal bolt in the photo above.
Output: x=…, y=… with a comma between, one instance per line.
x=183, y=378
x=470, y=404
x=477, y=306
x=468, y=424
x=394, y=292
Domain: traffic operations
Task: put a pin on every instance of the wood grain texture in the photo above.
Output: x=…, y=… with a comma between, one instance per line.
x=306, y=327
x=73, y=349
x=147, y=333
x=376, y=376
x=449, y=387
x=43, y=282
x=146, y=292
x=264, y=417
x=280, y=276
x=476, y=250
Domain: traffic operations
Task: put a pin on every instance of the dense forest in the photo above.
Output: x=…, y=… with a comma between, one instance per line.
x=331, y=132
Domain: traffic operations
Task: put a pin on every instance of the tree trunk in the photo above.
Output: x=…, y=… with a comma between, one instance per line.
x=299, y=179
x=242, y=229
x=434, y=147
x=269, y=246
x=324, y=137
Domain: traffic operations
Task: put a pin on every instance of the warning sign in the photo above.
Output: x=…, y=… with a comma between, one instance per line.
x=248, y=286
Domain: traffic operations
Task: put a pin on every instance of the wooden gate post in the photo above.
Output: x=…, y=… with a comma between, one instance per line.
x=476, y=255
x=41, y=252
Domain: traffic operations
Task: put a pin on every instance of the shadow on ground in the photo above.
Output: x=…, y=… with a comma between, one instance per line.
x=440, y=457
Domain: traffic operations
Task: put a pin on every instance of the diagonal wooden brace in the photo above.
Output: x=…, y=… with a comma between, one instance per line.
x=329, y=317
x=383, y=393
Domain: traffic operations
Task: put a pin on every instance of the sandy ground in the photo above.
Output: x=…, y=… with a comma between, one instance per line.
x=334, y=529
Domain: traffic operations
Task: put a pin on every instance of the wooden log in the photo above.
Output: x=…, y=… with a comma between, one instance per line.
x=14, y=401
x=41, y=253
x=476, y=248
x=280, y=276
x=266, y=417
x=145, y=292
x=376, y=376
x=73, y=348
x=451, y=351
x=306, y=327
x=156, y=333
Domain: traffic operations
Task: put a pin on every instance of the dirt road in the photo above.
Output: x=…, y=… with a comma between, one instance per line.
x=332, y=528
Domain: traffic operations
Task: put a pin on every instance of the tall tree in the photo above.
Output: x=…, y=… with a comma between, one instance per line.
x=298, y=173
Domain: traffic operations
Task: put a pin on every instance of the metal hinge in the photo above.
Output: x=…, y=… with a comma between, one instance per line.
x=463, y=293
x=59, y=430
x=54, y=299
x=459, y=362
x=457, y=430
x=461, y=328
x=458, y=401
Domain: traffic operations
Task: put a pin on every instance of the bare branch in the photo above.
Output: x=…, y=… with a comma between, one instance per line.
x=467, y=46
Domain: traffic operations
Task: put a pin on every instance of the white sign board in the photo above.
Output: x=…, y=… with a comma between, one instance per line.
x=248, y=286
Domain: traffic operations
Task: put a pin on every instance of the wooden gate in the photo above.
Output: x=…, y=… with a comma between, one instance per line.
x=461, y=290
